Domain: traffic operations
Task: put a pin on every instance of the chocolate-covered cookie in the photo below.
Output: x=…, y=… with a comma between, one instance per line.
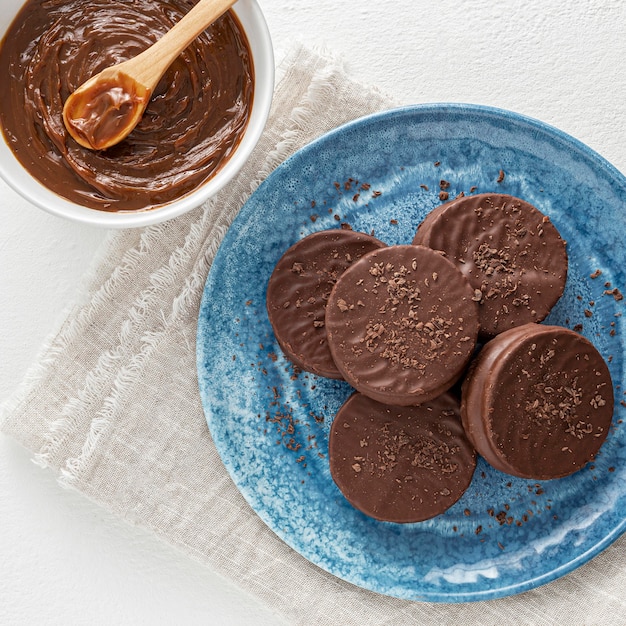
x=511, y=253
x=538, y=401
x=401, y=324
x=299, y=288
x=400, y=464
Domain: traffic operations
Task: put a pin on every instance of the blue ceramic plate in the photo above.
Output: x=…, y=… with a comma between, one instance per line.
x=270, y=423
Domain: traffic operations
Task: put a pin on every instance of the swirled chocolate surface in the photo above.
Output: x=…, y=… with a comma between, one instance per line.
x=193, y=123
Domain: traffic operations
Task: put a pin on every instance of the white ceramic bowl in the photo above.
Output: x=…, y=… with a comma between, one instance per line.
x=253, y=22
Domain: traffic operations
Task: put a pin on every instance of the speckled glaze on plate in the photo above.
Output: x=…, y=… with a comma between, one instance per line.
x=382, y=173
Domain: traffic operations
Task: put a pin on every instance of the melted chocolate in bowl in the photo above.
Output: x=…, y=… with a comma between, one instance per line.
x=192, y=125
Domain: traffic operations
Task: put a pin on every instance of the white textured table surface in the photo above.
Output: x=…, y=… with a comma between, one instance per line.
x=65, y=561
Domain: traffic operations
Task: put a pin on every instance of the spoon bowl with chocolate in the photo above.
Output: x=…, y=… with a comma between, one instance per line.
x=201, y=122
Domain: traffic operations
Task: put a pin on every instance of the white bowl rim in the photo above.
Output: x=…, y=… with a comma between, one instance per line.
x=18, y=178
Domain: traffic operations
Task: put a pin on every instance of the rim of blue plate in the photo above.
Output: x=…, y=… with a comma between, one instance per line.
x=440, y=107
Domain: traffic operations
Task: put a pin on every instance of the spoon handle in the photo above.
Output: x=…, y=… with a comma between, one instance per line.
x=151, y=64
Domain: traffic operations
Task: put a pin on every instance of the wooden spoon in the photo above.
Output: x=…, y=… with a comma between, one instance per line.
x=105, y=109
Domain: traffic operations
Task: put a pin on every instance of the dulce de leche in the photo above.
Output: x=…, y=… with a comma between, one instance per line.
x=97, y=114
x=194, y=120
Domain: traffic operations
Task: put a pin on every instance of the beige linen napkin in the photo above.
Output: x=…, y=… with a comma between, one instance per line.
x=112, y=405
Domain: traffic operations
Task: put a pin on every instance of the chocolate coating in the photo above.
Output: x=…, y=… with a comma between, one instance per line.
x=400, y=464
x=401, y=324
x=510, y=252
x=538, y=402
x=298, y=290
x=193, y=123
